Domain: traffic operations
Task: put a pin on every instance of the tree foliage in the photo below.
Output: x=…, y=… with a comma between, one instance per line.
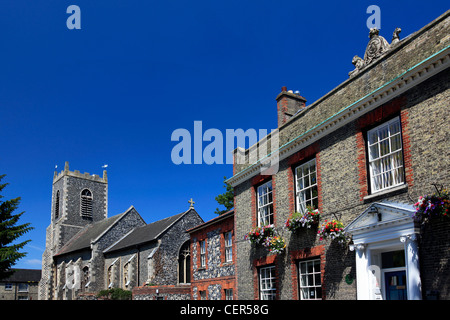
x=226, y=199
x=9, y=232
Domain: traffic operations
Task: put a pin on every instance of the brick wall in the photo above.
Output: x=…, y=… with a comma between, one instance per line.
x=342, y=174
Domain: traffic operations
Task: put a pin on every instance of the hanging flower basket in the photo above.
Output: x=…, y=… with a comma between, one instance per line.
x=434, y=205
x=275, y=244
x=302, y=220
x=333, y=229
x=267, y=237
x=259, y=234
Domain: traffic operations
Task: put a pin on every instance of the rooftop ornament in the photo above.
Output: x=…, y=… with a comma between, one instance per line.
x=376, y=47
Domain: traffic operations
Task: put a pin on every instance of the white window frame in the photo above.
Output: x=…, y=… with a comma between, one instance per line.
x=305, y=184
x=265, y=204
x=228, y=237
x=386, y=166
x=228, y=294
x=203, y=253
x=310, y=281
x=267, y=283
x=22, y=287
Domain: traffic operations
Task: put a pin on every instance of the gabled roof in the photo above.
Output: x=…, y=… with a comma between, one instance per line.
x=380, y=213
x=147, y=233
x=218, y=219
x=91, y=233
x=24, y=275
x=382, y=221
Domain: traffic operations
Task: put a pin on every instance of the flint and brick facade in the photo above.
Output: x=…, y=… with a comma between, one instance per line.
x=216, y=278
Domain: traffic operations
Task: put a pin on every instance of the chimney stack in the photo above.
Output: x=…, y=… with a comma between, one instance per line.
x=288, y=104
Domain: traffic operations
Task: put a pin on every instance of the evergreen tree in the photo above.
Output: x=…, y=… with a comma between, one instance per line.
x=226, y=199
x=9, y=251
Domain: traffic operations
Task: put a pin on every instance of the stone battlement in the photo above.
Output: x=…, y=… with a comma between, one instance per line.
x=78, y=174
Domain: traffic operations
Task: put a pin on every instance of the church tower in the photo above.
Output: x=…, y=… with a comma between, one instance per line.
x=78, y=199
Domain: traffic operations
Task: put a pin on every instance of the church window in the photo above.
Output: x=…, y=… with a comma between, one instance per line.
x=265, y=204
x=385, y=156
x=111, y=275
x=57, y=205
x=184, y=264
x=126, y=271
x=86, y=279
x=86, y=204
x=306, y=186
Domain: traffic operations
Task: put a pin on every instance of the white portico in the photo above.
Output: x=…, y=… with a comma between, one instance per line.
x=387, y=260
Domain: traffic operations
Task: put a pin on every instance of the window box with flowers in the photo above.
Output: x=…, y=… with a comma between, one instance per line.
x=333, y=229
x=307, y=219
x=429, y=206
x=267, y=237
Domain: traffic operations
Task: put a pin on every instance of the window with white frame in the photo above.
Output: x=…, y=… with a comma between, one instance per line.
x=267, y=281
x=23, y=287
x=310, y=280
x=265, y=204
x=385, y=156
x=228, y=247
x=306, y=186
x=228, y=294
x=203, y=253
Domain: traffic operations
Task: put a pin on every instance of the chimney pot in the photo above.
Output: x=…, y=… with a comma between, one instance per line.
x=283, y=89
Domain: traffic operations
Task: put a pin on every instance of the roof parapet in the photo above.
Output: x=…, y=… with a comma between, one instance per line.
x=78, y=174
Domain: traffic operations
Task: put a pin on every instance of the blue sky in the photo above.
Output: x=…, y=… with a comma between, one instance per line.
x=114, y=91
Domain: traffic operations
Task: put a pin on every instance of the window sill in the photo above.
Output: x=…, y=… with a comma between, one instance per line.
x=385, y=193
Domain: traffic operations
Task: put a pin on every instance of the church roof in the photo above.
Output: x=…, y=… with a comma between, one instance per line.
x=147, y=233
x=83, y=239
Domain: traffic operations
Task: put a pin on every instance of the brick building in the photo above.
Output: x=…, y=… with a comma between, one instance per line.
x=206, y=265
x=213, y=259
x=362, y=155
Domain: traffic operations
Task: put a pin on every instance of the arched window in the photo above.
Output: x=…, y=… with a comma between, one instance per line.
x=86, y=204
x=86, y=279
x=184, y=264
x=57, y=205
